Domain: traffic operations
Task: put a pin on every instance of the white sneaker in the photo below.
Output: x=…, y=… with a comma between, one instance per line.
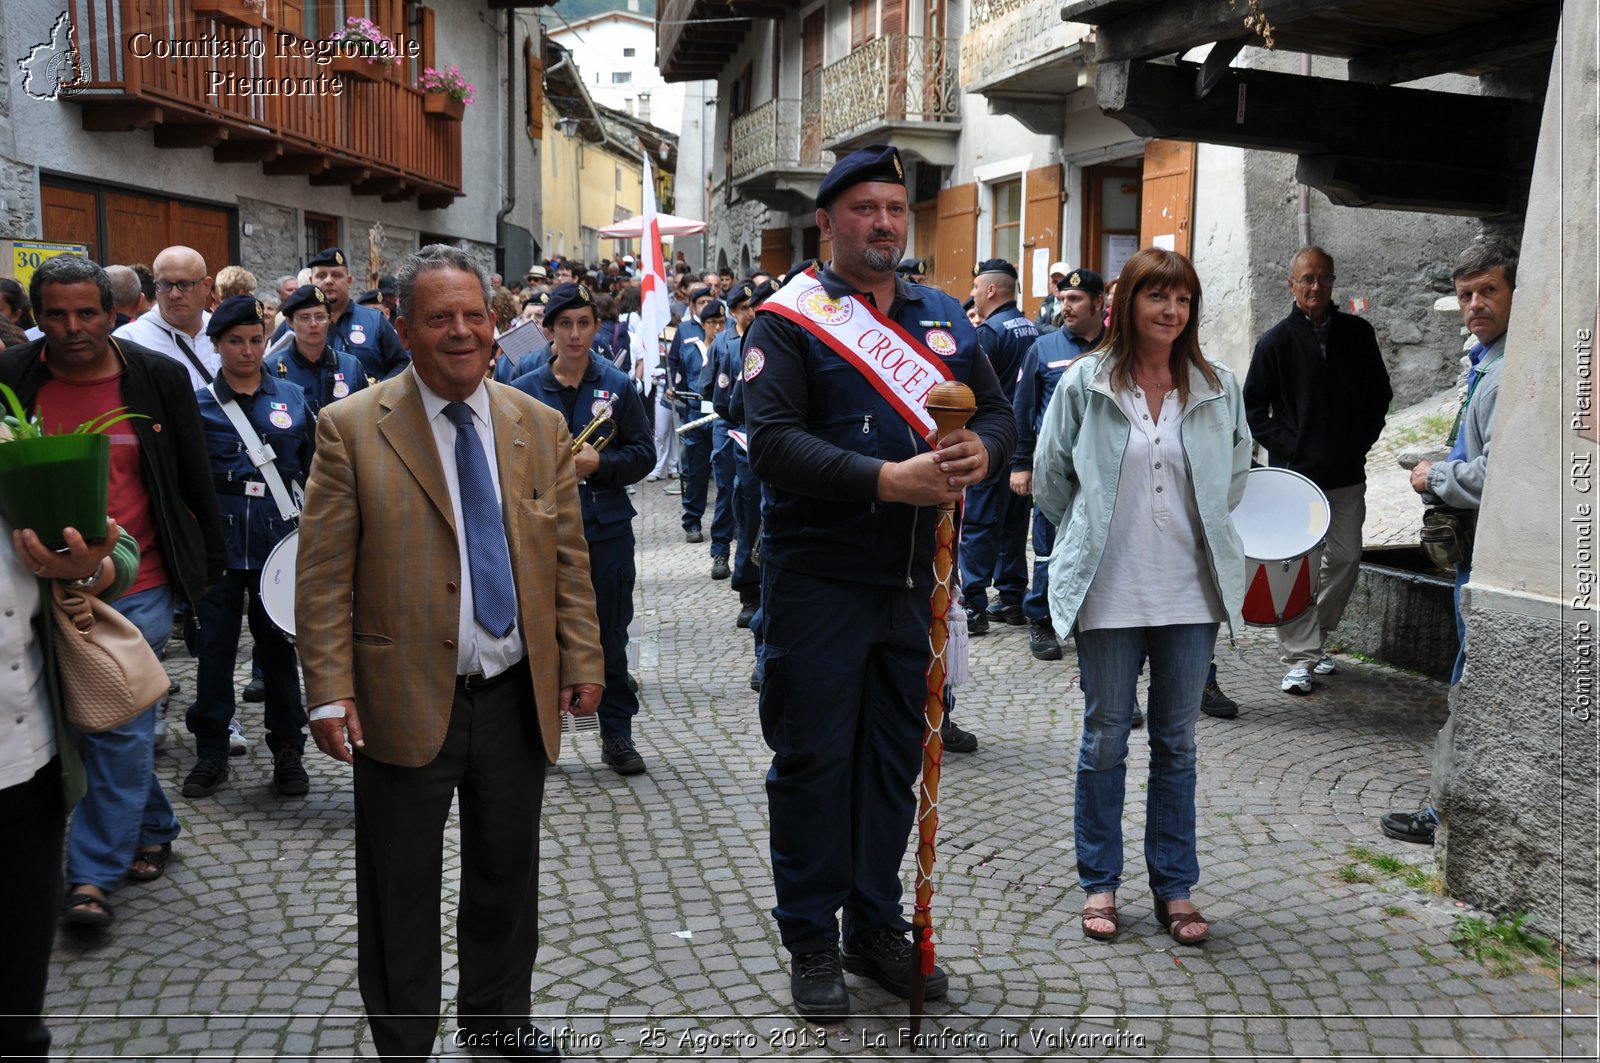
x=652, y=478
x=1326, y=666
x=1298, y=681
x=238, y=744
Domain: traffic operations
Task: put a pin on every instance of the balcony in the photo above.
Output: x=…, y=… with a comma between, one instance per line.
x=696, y=38
x=895, y=86
x=1024, y=60
x=371, y=136
x=777, y=156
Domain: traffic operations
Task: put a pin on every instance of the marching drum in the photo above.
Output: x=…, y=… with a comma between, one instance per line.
x=1283, y=522
x=277, y=583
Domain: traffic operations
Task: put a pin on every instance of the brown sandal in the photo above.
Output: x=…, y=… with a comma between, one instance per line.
x=1108, y=915
x=1176, y=921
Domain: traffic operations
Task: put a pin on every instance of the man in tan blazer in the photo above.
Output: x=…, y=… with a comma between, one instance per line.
x=445, y=620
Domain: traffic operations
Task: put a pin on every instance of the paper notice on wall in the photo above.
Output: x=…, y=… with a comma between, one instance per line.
x=1040, y=272
x=1119, y=248
x=1166, y=242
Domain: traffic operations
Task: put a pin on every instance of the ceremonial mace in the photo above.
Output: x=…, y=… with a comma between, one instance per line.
x=951, y=405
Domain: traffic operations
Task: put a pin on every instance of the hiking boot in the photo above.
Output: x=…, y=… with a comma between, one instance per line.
x=255, y=690
x=884, y=955
x=747, y=613
x=288, y=773
x=977, y=622
x=693, y=535
x=1042, y=641
x=205, y=777
x=719, y=568
x=816, y=982
x=955, y=739
x=1215, y=703
x=620, y=756
x=1417, y=827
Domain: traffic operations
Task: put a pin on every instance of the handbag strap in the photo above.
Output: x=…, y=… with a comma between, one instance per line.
x=261, y=455
x=74, y=605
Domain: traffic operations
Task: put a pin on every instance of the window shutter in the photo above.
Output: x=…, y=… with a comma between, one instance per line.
x=955, y=239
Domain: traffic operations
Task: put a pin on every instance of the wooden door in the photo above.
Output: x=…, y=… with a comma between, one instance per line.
x=811, y=54
x=136, y=228
x=925, y=227
x=1167, y=200
x=1041, y=231
x=206, y=229
x=955, y=252
x=775, y=251
x=1110, y=217
x=70, y=218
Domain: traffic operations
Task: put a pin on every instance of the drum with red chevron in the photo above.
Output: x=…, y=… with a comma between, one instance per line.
x=1283, y=522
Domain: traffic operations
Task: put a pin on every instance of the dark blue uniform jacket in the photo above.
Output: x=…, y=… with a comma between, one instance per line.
x=321, y=379
x=1041, y=370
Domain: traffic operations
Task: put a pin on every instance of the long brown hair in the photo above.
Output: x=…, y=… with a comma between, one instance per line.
x=1155, y=268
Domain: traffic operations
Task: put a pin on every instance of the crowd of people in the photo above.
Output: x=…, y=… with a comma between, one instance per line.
x=374, y=432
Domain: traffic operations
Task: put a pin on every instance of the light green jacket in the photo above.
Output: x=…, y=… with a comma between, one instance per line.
x=1077, y=467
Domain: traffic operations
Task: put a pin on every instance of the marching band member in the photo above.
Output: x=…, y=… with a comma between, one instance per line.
x=325, y=374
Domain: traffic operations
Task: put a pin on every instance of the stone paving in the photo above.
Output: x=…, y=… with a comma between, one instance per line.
x=657, y=939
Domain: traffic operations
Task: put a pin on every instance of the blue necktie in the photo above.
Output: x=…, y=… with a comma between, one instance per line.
x=494, y=599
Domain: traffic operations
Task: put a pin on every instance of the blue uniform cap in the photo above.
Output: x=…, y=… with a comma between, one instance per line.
x=910, y=266
x=329, y=256
x=370, y=297
x=304, y=296
x=763, y=291
x=875, y=162
x=700, y=293
x=564, y=297
x=740, y=295
x=1083, y=280
x=234, y=311
x=714, y=309
x=995, y=265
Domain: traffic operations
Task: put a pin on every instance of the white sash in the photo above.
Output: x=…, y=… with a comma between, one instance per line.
x=261, y=456
x=900, y=368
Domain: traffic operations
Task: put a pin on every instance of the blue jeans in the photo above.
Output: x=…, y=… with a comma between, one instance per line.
x=1036, y=603
x=1463, y=575
x=124, y=807
x=1108, y=659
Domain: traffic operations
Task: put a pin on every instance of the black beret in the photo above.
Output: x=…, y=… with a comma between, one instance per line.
x=567, y=296
x=995, y=265
x=700, y=293
x=234, y=311
x=912, y=265
x=740, y=295
x=389, y=284
x=875, y=162
x=1083, y=280
x=329, y=256
x=969, y=304
x=304, y=296
x=370, y=297
x=763, y=292
x=714, y=309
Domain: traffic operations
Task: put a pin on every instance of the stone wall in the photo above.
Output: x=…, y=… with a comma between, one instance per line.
x=273, y=247
x=19, y=197
x=734, y=238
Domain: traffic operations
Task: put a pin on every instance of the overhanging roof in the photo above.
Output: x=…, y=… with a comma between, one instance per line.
x=694, y=38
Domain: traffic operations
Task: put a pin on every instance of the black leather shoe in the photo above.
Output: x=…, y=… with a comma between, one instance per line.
x=288, y=773
x=955, y=739
x=205, y=777
x=747, y=613
x=1138, y=718
x=719, y=568
x=884, y=955
x=977, y=622
x=1215, y=703
x=255, y=690
x=633, y=682
x=755, y=680
x=619, y=754
x=1012, y=615
x=817, y=984
x=525, y=1042
x=1042, y=641
x=693, y=535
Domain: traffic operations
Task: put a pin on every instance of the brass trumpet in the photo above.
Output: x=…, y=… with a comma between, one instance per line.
x=587, y=435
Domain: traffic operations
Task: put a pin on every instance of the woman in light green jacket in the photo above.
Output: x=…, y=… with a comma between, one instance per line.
x=1142, y=456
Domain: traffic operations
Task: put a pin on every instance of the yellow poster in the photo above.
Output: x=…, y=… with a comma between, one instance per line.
x=23, y=256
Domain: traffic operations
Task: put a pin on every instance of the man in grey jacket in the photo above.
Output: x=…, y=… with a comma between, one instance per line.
x=1485, y=277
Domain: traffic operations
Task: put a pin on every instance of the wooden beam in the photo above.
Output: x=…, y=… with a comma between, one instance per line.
x=407, y=191
x=1522, y=36
x=341, y=175
x=120, y=117
x=435, y=200
x=259, y=150
x=1441, y=187
x=378, y=186
x=296, y=165
x=1183, y=24
x=1216, y=62
x=199, y=135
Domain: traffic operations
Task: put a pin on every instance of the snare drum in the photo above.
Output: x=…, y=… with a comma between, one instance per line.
x=277, y=583
x=1283, y=522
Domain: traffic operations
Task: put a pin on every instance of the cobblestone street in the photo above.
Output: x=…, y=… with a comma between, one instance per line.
x=657, y=942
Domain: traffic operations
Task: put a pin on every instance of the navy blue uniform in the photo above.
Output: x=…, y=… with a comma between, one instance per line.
x=251, y=526
x=607, y=512
x=845, y=583
x=994, y=520
x=1041, y=371
x=727, y=398
x=365, y=334
x=694, y=446
x=722, y=363
x=330, y=377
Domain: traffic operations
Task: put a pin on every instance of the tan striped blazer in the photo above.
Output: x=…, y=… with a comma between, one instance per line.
x=378, y=572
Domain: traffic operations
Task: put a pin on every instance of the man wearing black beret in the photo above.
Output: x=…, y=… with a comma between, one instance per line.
x=361, y=331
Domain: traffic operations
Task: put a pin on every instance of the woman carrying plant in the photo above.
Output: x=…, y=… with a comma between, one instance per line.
x=1142, y=455
x=242, y=410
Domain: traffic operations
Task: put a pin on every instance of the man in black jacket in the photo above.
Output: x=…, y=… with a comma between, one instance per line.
x=1316, y=396
x=161, y=493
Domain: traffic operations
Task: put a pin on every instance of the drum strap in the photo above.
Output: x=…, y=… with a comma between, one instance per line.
x=261, y=455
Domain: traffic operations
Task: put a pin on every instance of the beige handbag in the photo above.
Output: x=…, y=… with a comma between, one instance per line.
x=109, y=674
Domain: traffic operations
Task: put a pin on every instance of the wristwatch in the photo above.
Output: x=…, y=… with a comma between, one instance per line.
x=88, y=581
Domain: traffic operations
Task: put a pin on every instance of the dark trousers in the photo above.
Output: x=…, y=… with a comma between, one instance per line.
x=493, y=759
x=33, y=816
x=611, y=571
x=994, y=545
x=1036, y=603
x=694, y=468
x=218, y=649
x=723, y=520
x=747, y=513
x=842, y=710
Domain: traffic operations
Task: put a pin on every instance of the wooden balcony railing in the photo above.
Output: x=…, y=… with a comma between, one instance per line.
x=371, y=134
x=895, y=78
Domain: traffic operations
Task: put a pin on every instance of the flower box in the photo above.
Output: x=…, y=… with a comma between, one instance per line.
x=245, y=13
x=356, y=67
x=444, y=105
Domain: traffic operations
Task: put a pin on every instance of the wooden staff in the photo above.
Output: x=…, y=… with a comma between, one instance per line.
x=951, y=405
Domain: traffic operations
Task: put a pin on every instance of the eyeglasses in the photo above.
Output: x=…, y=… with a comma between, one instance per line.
x=1310, y=279
x=183, y=286
x=314, y=319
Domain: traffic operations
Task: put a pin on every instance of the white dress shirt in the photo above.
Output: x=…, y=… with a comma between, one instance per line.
x=27, y=733
x=151, y=330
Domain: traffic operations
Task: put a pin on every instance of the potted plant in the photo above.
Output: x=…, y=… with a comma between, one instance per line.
x=365, y=52
x=445, y=92
x=245, y=13
x=51, y=482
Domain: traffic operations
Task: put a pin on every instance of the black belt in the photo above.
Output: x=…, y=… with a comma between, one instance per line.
x=477, y=683
x=237, y=487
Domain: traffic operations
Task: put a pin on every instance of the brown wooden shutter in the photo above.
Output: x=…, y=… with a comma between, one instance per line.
x=775, y=251
x=956, y=240
x=69, y=217
x=1041, y=228
x=894, y=17
x=425, y=36
x=925, y=224
x=1167, y=206
x=534, y=64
